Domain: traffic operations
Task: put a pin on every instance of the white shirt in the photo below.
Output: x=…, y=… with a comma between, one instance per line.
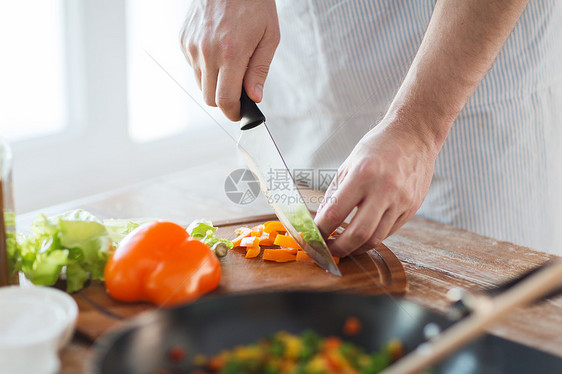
x=499, y=173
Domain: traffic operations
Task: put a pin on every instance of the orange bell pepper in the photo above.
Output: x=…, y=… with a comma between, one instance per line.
x=302, y=256
x=159, y=262
x=273, y=226
x=268, y=238
x=257, y=230
x=242, y=232
x=252, y=252
x=286, y=241
x=250, y=241
x=279, y=255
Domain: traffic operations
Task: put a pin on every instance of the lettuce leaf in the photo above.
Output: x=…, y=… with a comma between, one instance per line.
x=205, y=231
x=74, y=241
x=119, y=228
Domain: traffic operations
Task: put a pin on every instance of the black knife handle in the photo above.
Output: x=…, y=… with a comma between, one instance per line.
x=250, y=113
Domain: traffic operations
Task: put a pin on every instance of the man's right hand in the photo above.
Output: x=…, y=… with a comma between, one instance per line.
x=230, y=43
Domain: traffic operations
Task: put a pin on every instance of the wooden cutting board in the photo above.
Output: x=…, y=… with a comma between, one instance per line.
x=376, y=272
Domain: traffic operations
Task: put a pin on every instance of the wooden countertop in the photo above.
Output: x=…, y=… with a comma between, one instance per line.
x=436, y=257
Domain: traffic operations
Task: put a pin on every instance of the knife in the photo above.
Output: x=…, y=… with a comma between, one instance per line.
x=264, y=160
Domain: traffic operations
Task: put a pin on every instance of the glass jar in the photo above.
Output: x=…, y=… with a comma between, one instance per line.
x=7, y=216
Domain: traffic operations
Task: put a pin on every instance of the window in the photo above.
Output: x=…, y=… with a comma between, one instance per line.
x=33, y=91
x=89, y=110
x=158, y=107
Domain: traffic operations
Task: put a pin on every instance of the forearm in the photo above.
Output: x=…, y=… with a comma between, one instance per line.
x=462, y=41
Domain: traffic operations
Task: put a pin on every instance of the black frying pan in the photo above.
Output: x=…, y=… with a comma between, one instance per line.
x=219, y=323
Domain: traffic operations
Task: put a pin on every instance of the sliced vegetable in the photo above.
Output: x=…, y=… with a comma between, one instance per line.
x=257, y=230
x=279, y=255
x=302, y=256
x=303, y=223
x=159, y=262
x=273, y=234
x=273, y=226
x=242, y=232
x=286, y=241
x=220, y=249
x=305, y=353
x=250, y=241
x=268, y=238
x=252, y=252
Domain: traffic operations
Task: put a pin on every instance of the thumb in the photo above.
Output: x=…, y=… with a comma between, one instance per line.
x=258, y=68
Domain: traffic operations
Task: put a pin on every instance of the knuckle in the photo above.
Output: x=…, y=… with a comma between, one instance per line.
x=209, y=100
x=367, y=168
x=206, y=47
x=192, y=49
x=337, y=249
x=225, y=102
x=228, y=48
x=374, y=241
x=331, y=214
x=359, y=234
x=391, y=183
x=403, y=197
x=261, y=70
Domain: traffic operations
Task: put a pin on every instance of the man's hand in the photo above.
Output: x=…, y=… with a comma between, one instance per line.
x=386, y=177
x=230, y=43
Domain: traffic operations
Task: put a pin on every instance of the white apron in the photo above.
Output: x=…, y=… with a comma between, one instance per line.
x=499, y=174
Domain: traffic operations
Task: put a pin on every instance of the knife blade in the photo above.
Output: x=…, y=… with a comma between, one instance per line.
x=264, y=160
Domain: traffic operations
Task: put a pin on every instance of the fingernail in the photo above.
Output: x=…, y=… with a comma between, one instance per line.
x=258, y=91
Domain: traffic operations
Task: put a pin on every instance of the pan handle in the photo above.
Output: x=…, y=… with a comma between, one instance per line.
x=465, y=302
x=486, y=314
x=250, y=113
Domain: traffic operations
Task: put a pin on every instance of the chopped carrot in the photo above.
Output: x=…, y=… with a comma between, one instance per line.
x=252, y=252
x=278, y=255
x=274, y=226
x=250, y=241
x=302, y=256
x=242, y=232
x=286, y=241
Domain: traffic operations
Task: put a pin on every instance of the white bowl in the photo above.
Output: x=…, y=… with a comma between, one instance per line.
x=35, y=323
